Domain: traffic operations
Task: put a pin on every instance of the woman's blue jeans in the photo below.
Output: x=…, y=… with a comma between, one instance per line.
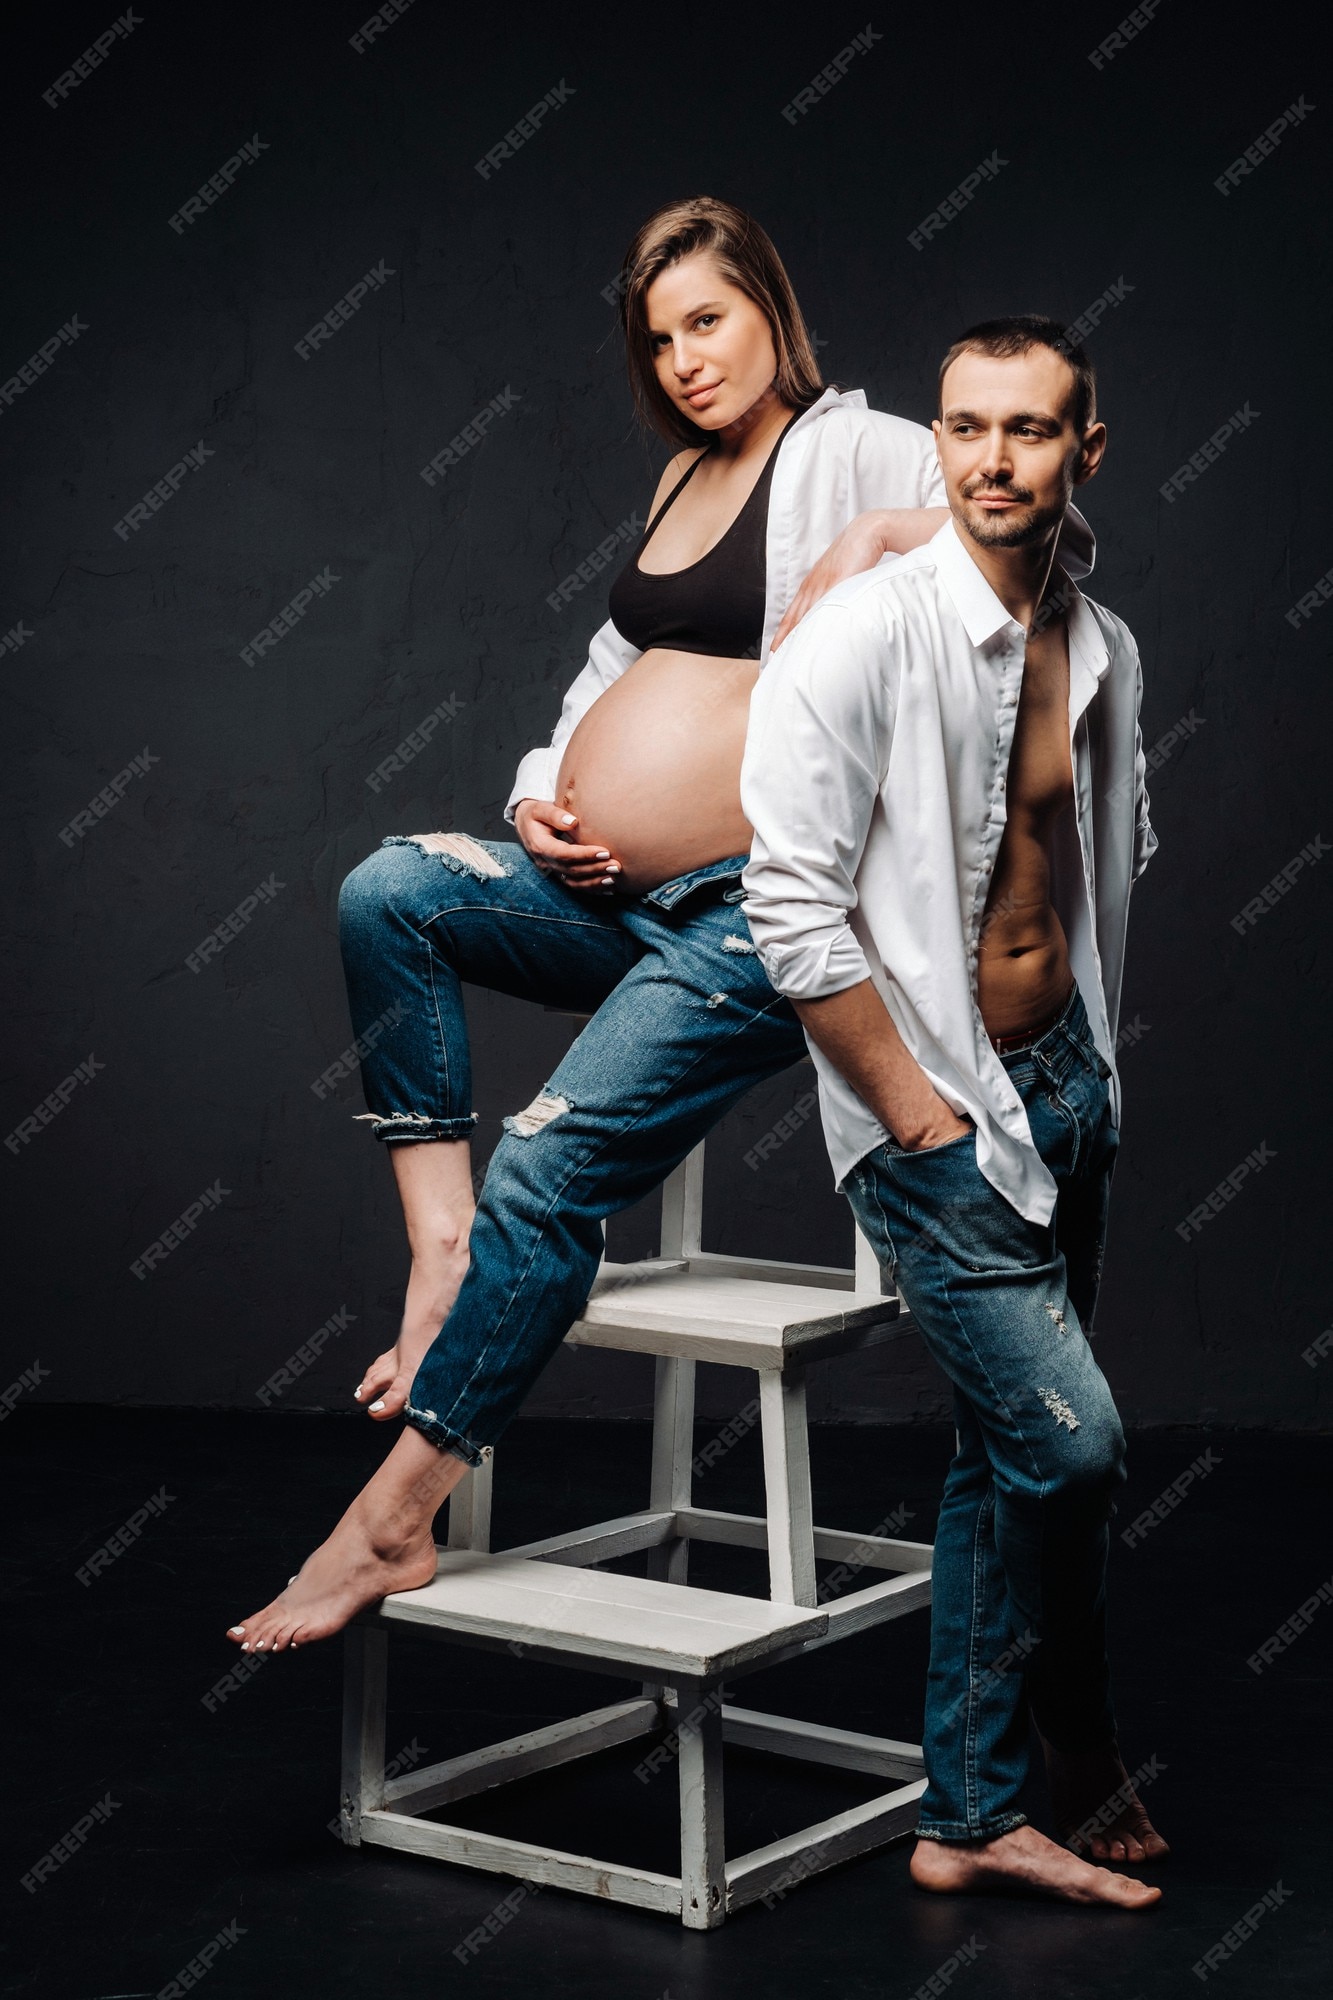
x=684, y=1023
x=1018, y=1623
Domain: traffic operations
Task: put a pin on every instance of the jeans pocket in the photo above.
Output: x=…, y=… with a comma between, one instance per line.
x=897, y=1152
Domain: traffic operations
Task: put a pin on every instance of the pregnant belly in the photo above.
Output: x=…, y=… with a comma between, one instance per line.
x=653, y=769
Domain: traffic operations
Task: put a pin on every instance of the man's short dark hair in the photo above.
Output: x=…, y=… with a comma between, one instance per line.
x=1016, y=335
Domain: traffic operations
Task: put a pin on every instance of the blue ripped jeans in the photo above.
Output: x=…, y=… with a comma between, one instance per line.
x=684, y=1023
x=1018, y=1620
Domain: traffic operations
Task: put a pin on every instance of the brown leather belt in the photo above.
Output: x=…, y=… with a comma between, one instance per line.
x=1008, y=1045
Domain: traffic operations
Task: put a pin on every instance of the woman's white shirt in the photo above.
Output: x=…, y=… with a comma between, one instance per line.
x=838, y=460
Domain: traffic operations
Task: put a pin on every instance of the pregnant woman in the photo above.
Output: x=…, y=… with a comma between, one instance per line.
x=621, y=900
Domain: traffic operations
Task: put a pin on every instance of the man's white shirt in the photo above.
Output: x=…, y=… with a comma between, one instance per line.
x=874, y=778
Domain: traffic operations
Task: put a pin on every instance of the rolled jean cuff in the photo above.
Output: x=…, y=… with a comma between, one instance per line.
x=446, y=1439
x=415, y=1126
x=958, y=1835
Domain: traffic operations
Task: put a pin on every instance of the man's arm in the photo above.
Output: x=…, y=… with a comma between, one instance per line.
x=856, y=1032
x=821, y=729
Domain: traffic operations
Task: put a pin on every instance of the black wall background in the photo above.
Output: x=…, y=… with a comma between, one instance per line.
x=261, y=770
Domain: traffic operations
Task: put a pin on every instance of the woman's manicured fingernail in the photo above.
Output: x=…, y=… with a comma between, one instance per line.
x=614, y=869
x=567, y=819
x=608, y=881
x=603, y=854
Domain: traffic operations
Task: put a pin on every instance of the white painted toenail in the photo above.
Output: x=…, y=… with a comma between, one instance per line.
x=235, y=1631
x=378, y=1405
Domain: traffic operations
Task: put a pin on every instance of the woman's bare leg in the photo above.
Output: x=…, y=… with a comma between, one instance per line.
x=435, y=1187
x=382, y=1543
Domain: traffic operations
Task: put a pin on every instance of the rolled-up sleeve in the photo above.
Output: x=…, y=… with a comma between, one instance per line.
x=815, y=756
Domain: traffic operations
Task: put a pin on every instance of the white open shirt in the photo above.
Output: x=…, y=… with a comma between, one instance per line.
x=839, y=459
x=874, y=778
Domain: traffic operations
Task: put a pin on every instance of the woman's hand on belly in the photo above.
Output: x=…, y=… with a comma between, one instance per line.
x=547, y=832
x=653, y=768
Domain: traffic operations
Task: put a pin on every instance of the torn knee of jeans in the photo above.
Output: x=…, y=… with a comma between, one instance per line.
x=458, y=851
x=1058, y=1408
x=1057, y=1317
x=543, y=1108
x=735, y=942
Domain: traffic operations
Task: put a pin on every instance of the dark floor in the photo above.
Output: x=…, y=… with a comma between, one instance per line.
x=221, y=1818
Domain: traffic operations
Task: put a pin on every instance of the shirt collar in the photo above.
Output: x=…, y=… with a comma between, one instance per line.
x=1087, y=641
x=983, y=614
x=973, y=599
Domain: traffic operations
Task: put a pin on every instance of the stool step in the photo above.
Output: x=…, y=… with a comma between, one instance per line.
x=667, y=1308
x=663, y=1628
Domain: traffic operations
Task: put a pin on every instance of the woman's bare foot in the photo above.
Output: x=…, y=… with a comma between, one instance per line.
x=432, y=1288
x=1023, y=1860
x=382, y=1543
x=1097, y=1808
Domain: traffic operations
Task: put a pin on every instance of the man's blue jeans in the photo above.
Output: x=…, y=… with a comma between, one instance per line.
x=1018, y=1624
x=684, y=1023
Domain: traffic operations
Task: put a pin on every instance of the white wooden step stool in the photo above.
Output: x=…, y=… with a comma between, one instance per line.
x=547, y=1599
x=691, y=1640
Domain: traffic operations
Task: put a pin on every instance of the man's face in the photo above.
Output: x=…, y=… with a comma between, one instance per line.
x=1008, y=448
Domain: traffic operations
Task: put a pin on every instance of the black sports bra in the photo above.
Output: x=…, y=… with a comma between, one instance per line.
x=714, y=605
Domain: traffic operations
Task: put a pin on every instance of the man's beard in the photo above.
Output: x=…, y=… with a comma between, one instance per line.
x=1002, y=531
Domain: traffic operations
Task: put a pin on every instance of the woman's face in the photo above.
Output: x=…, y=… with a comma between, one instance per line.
x=712, y=347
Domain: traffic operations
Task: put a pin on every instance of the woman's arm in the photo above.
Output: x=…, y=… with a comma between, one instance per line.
x=883, y=531
x=548, y=834
x=879, y=532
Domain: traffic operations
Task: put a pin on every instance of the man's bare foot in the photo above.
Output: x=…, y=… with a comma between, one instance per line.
x=1023, y=1860
x=1097, y=1808
x=382, y=1543
x=431, y=1290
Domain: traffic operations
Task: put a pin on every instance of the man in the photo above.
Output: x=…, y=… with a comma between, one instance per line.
x=946, y=782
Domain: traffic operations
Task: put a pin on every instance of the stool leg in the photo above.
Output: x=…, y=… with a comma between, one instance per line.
x=791, y=1536
x=703, y=1881
x=365, y=1673
x=673, y=1449
x=470, y=1509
